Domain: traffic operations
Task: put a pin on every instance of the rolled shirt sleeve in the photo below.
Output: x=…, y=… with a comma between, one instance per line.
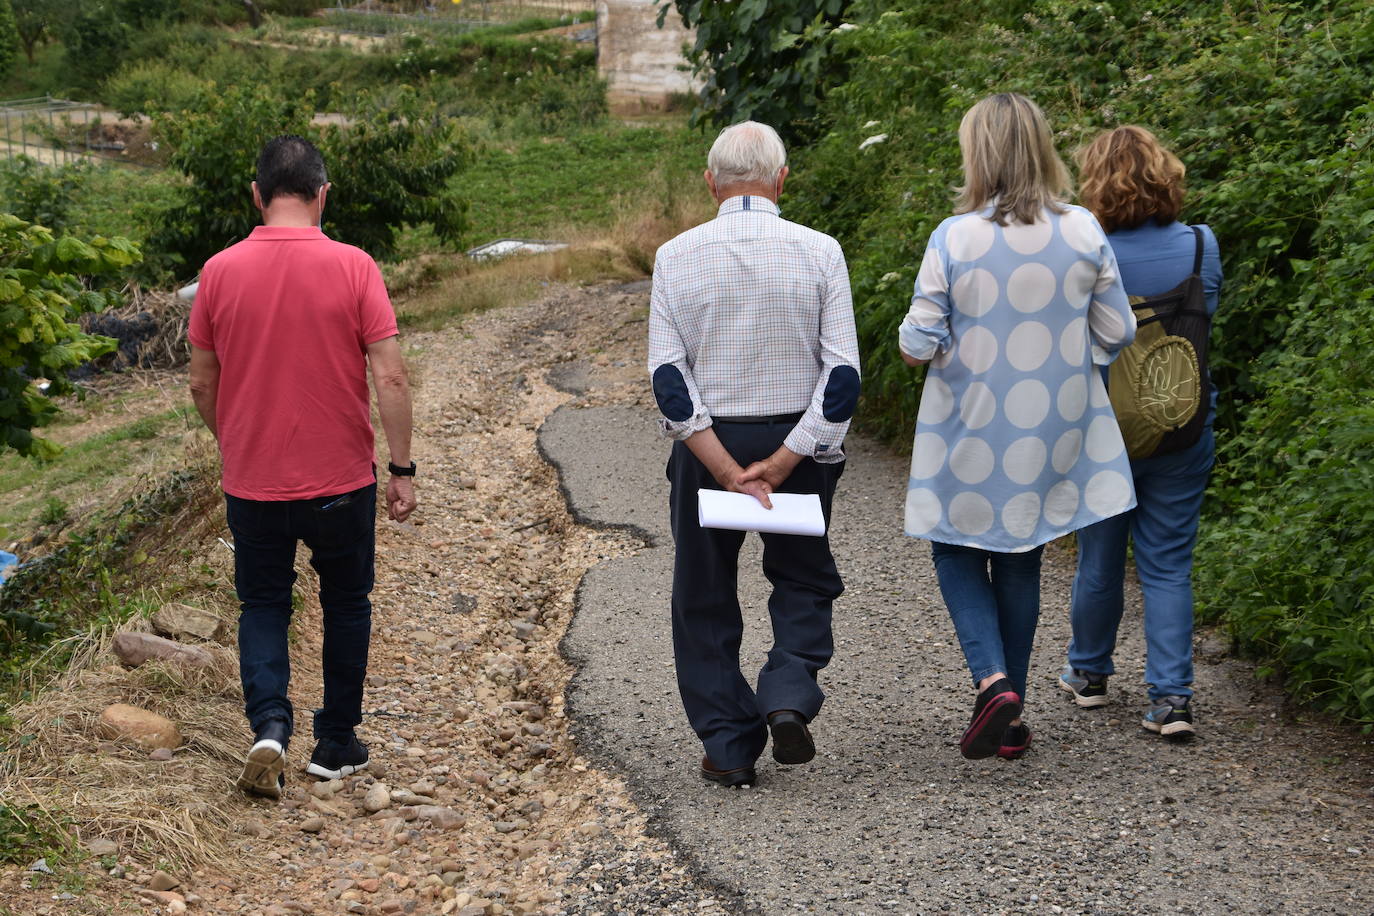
x=820, y=432
x=675, y=390
x=1110, y=319
x=925, y=330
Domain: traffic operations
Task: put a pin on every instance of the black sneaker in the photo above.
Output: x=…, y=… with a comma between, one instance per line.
x=262, y=770
x=993, y=711
x=1089, y=690
x=1170, y=717
x=335, y=760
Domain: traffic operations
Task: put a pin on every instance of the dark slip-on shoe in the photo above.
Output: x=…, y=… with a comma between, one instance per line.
x=993, y=711
x=734, y=779
x=791, y=738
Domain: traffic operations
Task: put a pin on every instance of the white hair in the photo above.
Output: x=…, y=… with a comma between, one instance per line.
x=747, y=152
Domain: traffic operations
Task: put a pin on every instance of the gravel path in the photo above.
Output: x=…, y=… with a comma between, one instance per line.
x=1261, y=814
x=524, y=721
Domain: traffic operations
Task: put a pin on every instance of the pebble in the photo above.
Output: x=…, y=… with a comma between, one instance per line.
x=377, y=798
x=312, y=824
x=161, y=881
x=161, y=754
x=102, y=847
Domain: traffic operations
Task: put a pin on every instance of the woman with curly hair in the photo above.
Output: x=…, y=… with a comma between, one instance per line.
x=1135, y=188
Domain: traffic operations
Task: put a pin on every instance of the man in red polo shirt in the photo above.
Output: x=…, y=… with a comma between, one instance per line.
x=283, y=331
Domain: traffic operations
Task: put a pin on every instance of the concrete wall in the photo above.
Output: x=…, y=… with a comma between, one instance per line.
x=639, y=61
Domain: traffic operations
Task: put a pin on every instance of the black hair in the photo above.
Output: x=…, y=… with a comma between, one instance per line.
x=290, y=165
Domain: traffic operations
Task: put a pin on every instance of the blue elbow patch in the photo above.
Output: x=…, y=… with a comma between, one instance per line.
x=841, y=394
x=670, y=390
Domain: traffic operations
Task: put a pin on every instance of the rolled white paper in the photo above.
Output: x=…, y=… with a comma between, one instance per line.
x=792, y=513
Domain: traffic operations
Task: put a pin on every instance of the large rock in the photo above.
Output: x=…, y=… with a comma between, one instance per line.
x=181, y=621
x=146, y=729
x=133, y=649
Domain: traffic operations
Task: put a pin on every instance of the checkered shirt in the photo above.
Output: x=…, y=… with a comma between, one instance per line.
x=755, y=312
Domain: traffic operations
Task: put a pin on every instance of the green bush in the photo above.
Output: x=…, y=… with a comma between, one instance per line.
x=1267, y=106
x=40, y=193
x=150, y=86
x=762, y=61
x=390, y=168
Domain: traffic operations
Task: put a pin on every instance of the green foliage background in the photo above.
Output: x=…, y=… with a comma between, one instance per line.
x=9, y=39
x=1267, y=103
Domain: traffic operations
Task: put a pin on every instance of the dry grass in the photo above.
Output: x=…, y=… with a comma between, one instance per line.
x=179, y=812
x=643, y=221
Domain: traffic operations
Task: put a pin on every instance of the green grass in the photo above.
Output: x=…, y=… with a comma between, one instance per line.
x=30, y=490
x=545, y=186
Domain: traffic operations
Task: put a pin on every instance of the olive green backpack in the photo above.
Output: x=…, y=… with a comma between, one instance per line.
x=1159, y=385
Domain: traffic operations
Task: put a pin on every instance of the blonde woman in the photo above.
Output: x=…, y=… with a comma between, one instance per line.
x=1135, y=188
x=1016, y=302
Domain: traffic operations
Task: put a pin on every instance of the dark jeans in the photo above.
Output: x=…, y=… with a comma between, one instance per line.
x=339, y=530
x=726, y=713
x=994, y=601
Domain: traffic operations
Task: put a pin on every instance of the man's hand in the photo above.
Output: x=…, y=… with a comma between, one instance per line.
x=773, y=470
x=400, y=498
x=707, y=448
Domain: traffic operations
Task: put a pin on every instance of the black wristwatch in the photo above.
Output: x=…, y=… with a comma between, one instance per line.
x=398, y=471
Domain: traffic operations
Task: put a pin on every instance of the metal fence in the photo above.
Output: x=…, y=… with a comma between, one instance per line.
x=55, y=131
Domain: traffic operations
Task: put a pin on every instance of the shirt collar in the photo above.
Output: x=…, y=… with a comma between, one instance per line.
x=750, y=202
x=285, y=233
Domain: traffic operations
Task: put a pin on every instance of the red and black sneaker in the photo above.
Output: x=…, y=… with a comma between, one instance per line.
x=993, y=711
x=1016, y=740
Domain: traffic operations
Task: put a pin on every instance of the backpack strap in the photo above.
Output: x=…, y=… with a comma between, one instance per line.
x=1197, y=257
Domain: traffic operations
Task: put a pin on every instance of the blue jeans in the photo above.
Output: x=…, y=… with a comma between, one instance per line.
x=1168, y=491
x=339, y=530
x=994, y=601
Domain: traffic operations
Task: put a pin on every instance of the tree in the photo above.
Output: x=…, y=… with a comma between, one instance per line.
x=763, y=60
x=96, y=39
x=36, y=21
x=9, y=37
x=43, y=291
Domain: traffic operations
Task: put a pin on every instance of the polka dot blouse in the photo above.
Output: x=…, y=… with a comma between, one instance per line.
x=1016, y=443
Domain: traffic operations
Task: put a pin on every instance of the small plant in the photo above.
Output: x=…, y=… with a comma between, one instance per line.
x=54, y=512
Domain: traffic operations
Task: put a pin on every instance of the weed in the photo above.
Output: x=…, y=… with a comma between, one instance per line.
x=54, y=512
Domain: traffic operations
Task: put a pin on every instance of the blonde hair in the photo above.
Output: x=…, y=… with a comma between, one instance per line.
x=747, y=152
x=1128, y=177
x=1009, y=161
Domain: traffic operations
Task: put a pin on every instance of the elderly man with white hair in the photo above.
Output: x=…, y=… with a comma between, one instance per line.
x=755, y=367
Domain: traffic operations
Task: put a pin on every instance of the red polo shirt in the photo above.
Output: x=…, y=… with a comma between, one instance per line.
x=289, y=313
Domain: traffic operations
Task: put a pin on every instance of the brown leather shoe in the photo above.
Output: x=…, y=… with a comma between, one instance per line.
x=791, y=738
x=734, y=779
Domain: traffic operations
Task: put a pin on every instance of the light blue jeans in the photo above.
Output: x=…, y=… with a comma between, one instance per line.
x=1168, y=492
x=994, y=601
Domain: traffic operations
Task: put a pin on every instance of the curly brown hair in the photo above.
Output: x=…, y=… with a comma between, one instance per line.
x=1126, y=176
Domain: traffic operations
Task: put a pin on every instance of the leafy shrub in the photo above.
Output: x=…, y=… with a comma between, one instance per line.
x=390, y=168
x=9, y=38
x=762, y=61
x=41, y=296
x=149, y=86
x=42, y=194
